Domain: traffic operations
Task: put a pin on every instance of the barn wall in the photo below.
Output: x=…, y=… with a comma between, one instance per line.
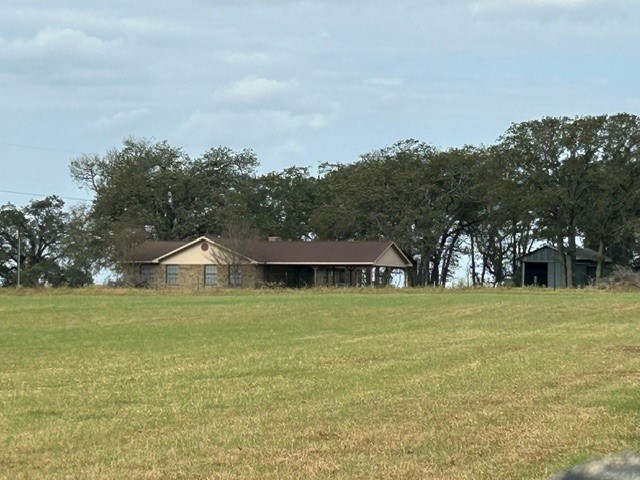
x=555, y=272
x=583, y=274
x=557, y=277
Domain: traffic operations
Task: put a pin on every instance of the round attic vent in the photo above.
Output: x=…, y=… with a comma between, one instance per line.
x=204, y=246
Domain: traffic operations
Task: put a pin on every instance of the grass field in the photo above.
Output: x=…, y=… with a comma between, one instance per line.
x=334, y=384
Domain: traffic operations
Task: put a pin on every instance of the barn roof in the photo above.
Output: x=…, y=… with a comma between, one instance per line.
x=582, y=253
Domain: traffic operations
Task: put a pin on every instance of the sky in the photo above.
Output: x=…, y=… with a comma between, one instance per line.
x=299, y=82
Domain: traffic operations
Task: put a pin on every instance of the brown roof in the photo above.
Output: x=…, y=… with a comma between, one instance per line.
x=319, y=252
x=151, y=250
x=280, y=252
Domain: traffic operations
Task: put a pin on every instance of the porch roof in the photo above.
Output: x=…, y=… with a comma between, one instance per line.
x=327, y=253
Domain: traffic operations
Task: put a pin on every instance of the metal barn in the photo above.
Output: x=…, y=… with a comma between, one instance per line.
x=544, y=267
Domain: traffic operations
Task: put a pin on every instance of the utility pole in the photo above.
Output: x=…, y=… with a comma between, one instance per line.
x=19, y=253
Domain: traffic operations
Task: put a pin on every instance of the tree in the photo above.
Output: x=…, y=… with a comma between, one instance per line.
x=375, y=198
x=410, y=192
x=505, y=228
x=136, y=186
x=556, y=158
x=218, y=184
x=281, y=203
x=151, y=189
x=46, y=240
x=612, y=224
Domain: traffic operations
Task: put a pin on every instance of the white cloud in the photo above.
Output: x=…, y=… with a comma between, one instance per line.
x=248, y=127
x=120, y=119
x=252, y=88
x=61, y=41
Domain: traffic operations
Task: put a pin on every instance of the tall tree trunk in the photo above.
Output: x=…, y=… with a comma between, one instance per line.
x=600, y=261
x=473, y=260
x=437, y=258
x=563, y=259
x=514, y=248
x=446, y=264
x=571, y=254
x=434, y=276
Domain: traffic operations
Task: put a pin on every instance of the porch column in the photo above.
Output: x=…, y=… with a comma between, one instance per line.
x=315, y=276
x=350, y=270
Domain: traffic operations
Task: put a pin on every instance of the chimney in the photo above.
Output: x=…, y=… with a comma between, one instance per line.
x=275, y=239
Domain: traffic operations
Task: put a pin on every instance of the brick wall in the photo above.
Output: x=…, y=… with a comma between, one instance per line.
x=192, y=276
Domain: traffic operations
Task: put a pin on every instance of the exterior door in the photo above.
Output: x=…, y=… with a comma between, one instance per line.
x=536, y=273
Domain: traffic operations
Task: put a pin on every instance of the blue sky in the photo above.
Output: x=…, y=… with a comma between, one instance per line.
x=298, y=82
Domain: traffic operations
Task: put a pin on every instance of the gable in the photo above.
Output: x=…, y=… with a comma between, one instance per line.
x=393, y=258
x=542, y=254
x=202, y=252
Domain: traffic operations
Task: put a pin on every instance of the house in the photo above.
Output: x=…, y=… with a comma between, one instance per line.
x=545, y=267
x=210, y=262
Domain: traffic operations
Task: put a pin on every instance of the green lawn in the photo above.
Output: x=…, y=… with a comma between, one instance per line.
x=334, y=384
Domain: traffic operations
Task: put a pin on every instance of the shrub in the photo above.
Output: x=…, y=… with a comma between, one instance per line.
x=623, y=277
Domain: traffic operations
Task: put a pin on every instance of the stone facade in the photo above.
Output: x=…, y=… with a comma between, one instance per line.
x=190, y=276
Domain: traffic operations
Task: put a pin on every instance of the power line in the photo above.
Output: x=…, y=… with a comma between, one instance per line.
x=43, y=195
x=48, y=149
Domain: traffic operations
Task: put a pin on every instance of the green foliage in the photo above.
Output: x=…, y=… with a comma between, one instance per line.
x=557, y=180
x=282, y=203
x=424, y=199
x=150, y=189
x=53, y=243
x=581, y=176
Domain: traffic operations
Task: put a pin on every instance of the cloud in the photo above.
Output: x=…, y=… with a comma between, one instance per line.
x=56, y=57
x=252, y=88
x=58, y=41
x=120, y=119
x=247, y=128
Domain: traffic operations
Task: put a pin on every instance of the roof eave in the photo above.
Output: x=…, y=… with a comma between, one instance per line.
x=323, y=264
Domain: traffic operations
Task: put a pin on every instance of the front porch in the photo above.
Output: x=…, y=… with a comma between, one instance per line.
x=300, y=276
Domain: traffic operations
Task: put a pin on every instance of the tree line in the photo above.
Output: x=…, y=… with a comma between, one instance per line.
x=557, y=180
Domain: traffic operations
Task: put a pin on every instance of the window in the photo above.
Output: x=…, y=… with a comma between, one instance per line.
x=210, y=274
x=235, y=276
x=146, y=274
x=173, y=274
